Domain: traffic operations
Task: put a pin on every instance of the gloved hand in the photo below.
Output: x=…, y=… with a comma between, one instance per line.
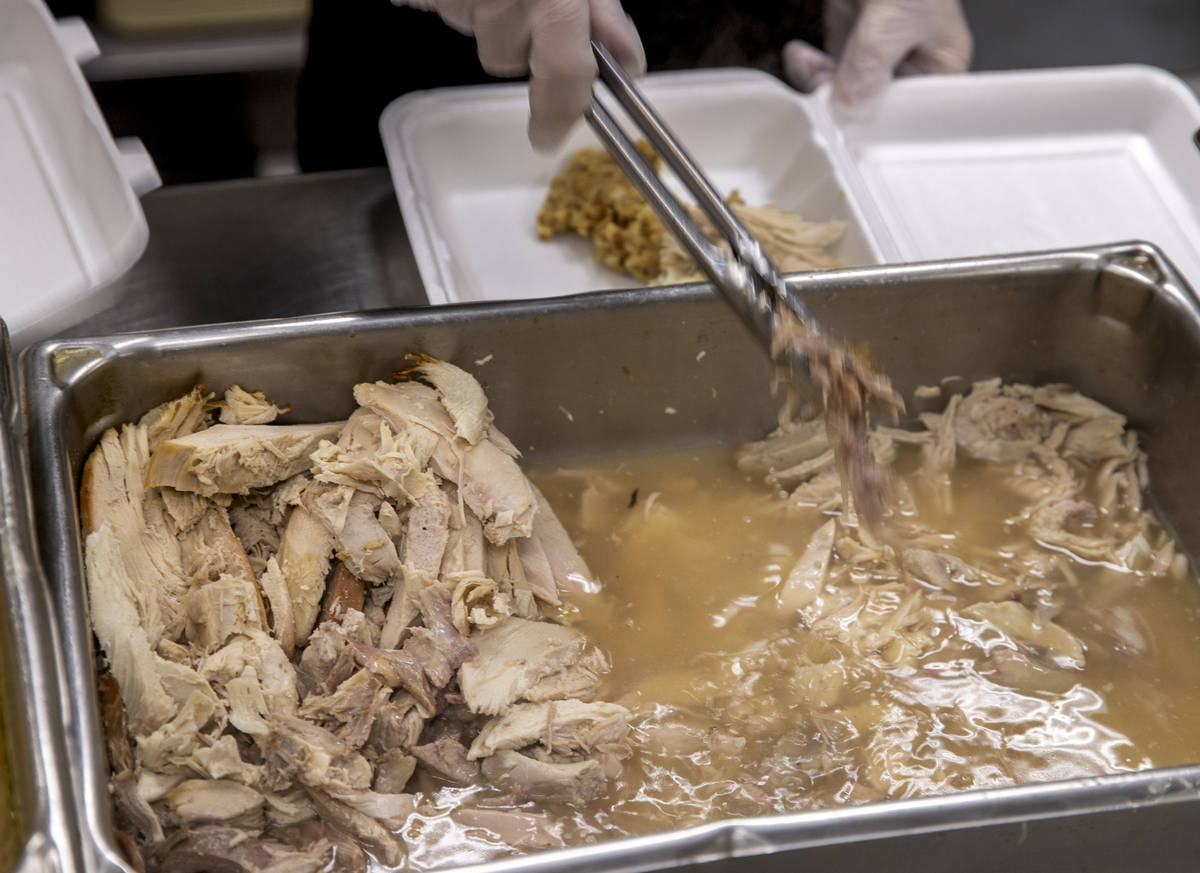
x=869, y=41
x=549, y=39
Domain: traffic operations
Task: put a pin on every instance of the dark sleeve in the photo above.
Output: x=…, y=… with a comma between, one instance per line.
x=362, y=54
x=686, y=34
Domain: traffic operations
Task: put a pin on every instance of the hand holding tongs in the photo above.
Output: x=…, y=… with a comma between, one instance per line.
x=751, y=283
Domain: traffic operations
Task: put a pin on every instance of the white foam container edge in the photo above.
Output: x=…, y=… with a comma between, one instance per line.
x=944, y=166
x=997, y=163
x=469, y=185
x=70, y=218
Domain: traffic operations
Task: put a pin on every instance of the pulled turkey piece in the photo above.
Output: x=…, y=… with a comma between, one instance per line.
x=440, y=630
x=219, y=849
x=175, y=418
x=360, y=825
x=134, y=566
x=426, y=533
x=1019, y=624
x=118, y=626
x=362, y=543
x=274, y=585
x=478, y=602
x=132, y=808
x=371, y=456
x=244, y=407
x=233, y=459
x=797, y=460
x=567, y=727
x=492, y=485
x=793, y=443
x=575, y=783
x=215, y=801
x=327, y=659
x=460, y=394
x=581, y=680
x=849, y=388
x=299, y=751
x=539, y=575
x=218, y=610
x=512, y=658
x=246, y=737
x=393, y=769
x=351, y=709
x=409, y=407
x=398, y=668
x=488, y=479
x=210, y=549
x=807, y=576
x=447, y=759
x=184, y=509
x=570, y=572
x=304, y=560
x=258, y=518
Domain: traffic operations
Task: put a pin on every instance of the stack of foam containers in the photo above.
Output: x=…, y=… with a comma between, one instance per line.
x=70, y=219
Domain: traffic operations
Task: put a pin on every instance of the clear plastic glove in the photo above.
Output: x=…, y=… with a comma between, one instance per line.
x=550, y=40
x=870, y=41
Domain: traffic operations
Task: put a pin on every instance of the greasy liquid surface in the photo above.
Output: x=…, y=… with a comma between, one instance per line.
x=742, y=711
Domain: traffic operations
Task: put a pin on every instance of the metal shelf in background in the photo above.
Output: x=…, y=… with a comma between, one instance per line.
x=153, y=57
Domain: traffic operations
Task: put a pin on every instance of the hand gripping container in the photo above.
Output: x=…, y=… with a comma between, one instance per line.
x=31, y=689
x=1117, y=321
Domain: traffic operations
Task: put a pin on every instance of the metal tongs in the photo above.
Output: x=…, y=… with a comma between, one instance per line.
x=750, y=282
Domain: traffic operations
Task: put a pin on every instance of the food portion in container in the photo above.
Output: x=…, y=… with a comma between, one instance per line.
x=325, y=639
x=375, y=636
x=594, y=198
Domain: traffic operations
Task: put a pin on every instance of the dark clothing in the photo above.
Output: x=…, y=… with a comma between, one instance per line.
x=362, y=54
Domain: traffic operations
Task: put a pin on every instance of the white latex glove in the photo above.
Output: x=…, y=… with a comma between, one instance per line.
x=549, y=39
x=870, y=41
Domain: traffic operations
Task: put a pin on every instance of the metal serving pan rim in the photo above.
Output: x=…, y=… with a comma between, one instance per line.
x=36, y=716
x=50, y=369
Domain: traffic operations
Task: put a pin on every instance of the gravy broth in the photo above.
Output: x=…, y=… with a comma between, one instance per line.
x=745, y=710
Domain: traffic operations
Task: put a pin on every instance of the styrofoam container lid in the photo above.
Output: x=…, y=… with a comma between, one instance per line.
x=947, y=166
x=70, y=220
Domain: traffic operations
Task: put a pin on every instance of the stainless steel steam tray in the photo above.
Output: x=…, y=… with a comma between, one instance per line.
x=1117, y=322
x=31, y=687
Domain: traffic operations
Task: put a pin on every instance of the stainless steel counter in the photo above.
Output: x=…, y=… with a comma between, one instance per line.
x=266, y=248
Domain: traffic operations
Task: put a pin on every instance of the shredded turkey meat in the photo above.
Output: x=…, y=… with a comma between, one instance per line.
x=300, y=623
x=850, y=389
x=373, y=644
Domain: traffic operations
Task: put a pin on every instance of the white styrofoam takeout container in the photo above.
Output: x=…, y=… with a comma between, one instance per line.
x=945, y=166
x=470, y=186
x=70, y=220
